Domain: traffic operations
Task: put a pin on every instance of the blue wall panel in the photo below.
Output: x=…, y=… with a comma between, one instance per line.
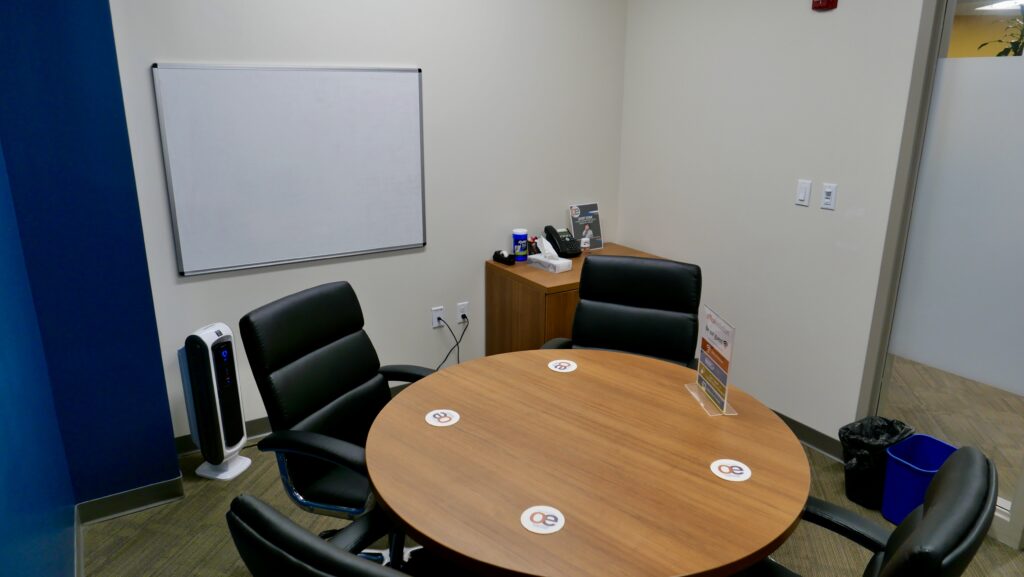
x=36, y=501
x=63, y=126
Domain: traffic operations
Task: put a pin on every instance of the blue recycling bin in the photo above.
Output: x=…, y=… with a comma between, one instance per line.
x=909, y=469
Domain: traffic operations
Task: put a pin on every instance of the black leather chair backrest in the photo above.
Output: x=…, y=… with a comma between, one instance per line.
x=307, y=351
x=316, y=371
x=638, y=305
x=939, y=538
x=271, y=545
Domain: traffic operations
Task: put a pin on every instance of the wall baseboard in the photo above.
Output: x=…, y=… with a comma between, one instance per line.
x=129, y=501
x=814, y=439
x=253, y=428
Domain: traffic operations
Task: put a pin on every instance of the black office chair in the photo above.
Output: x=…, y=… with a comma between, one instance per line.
x=638, y=305
x=271, y=545
x=322, y=385
x=938, y=539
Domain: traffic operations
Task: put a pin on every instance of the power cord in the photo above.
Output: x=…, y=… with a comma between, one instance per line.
x=458, y=342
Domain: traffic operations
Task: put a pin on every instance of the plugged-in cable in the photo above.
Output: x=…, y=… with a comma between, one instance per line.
x=458, y=342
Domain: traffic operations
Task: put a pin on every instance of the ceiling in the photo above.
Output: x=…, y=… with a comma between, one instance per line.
x=970, y=8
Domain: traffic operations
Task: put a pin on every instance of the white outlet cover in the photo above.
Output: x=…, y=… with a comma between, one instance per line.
x=828, y=195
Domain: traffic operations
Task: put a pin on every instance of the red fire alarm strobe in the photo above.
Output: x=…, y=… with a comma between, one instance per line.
x=822, y=5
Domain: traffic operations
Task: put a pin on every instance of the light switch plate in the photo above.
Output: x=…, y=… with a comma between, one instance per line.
x=828, y=196
x=803, y=192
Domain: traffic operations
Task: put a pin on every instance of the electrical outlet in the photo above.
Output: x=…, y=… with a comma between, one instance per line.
x=462, y=309
x=828, y=196
x=436, y=312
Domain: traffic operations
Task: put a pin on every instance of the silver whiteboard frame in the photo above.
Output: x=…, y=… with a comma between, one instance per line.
x=170, y=185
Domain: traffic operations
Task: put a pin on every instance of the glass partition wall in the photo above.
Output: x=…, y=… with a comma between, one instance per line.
x=956, y=355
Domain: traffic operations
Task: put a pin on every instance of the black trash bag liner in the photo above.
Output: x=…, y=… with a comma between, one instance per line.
x=864, y=443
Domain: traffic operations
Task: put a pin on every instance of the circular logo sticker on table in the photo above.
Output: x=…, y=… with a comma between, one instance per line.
x=442, y=417
x=731, y=470
x=562, y=366
x=542, y=519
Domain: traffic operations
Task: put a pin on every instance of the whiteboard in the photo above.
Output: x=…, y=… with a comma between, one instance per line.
x=269, y=165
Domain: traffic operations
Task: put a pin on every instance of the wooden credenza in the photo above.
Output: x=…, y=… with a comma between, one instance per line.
x=526, y=306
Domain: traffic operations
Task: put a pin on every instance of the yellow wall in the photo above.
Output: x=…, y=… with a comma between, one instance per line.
x=971, y=31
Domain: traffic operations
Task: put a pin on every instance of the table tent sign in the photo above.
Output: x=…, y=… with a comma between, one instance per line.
x=712, y=387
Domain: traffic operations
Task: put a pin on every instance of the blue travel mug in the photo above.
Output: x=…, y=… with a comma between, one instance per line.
x=519, y=243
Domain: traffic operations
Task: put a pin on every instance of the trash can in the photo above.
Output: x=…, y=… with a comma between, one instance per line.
x=864, y=443
x=911, y=466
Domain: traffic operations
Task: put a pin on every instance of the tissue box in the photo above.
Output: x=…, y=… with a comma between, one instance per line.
x=550, y=265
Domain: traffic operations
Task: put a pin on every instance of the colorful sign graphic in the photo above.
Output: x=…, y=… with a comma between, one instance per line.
x=715, y=353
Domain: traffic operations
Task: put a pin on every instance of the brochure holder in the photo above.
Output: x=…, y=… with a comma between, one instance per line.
x=710, y=408
x=712, y=387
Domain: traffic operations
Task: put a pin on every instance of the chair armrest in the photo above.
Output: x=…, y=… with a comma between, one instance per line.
x=558, y=343
x=251, y=522
x=405, y=373
x=318, y=446
x=363, y=531
x=849, y=525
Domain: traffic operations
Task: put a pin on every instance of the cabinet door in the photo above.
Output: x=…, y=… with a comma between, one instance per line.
x=560, y=310
x=515, y=314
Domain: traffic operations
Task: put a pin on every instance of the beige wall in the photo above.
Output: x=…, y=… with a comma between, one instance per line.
x=522, y=109
x=726, y=106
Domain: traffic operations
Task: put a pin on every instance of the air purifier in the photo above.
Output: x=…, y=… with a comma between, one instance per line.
x=214, y=403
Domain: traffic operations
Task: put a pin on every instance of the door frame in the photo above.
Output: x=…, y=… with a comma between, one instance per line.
x=933, y=43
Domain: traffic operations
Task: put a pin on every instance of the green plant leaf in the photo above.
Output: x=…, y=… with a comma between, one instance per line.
x=984, y=44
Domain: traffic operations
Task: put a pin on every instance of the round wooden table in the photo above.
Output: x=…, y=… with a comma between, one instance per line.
x=618, y=446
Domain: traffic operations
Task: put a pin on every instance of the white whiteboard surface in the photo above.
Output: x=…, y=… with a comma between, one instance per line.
x=267, y=165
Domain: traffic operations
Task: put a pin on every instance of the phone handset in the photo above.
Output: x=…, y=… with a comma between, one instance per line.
x=565, y=245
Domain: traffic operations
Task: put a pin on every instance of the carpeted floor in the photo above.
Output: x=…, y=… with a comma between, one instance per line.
x=812, y=550
x=190, y=537
x=960, y=411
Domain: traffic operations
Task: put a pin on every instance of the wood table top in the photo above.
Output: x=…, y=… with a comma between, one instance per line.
x=619, y=446
x=562, y=281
